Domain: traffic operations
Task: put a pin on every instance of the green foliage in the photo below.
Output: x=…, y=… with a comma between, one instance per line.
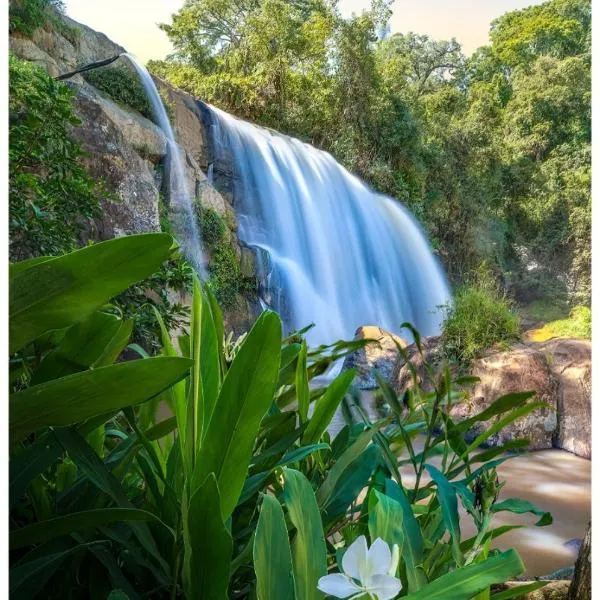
x=123, y=86
x=479, y=318
x=578, y=325
x=140, y=301
x=25, y=16
x=225, y=498
x=491, y=152
x=546, y=310
x=225, y=276
x=51, y=197
x=212, y=226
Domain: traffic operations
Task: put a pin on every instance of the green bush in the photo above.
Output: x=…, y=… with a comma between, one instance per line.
x=240, y=493
x=51, y=196
x=25, y=16
x=122, y=86
x=212, y=226
x=479, y=318
x=225, y=276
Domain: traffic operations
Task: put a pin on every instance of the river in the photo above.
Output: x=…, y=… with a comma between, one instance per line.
x=555, y=480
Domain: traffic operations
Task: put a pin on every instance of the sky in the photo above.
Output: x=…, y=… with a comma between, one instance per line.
x=133, y=23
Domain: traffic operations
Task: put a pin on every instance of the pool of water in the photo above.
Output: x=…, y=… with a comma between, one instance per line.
x=556, y=481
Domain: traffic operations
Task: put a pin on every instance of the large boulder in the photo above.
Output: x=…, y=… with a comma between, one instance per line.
x=381, y=355
x=519, y=369
x=107, y=137
x=559, y=371
x=570, y=360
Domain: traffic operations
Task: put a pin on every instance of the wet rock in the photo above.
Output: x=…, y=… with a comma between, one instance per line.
x=570, y=361
x=520, y=369
x=380, y=356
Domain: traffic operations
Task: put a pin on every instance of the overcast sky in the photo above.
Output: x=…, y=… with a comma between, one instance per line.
x=132, y=23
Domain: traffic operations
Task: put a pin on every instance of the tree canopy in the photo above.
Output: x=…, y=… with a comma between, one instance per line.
x=491, y=151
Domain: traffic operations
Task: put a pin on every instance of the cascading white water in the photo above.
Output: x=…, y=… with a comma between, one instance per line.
x=181, y=198
x=330, y=250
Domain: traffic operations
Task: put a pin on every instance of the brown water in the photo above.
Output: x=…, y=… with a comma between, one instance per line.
x=554, y=480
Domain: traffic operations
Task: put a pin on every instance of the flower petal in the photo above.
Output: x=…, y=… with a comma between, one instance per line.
x=384, y=587
x=338, y=585
x=354, y=561
x=379, y=558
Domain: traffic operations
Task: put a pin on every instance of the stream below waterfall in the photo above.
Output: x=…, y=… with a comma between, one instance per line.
x=554, y=480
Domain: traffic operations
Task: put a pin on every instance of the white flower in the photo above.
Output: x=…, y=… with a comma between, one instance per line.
x=367, y=571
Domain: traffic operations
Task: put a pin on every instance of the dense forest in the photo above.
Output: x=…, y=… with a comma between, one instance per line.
x=491, y=152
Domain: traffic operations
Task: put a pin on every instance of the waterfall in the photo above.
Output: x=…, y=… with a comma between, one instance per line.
x=330, y=250
x=181, y=198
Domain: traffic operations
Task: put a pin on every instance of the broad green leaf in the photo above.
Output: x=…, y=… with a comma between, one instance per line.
x=447, y=498
x=177, y=390
x=95, y=470
x=385, y=520
x=519, y=591
x=519, y=507
x=244, y=399
x=309, y=552
x=87, y=519
x=302, y=391
x=18, y=267
x=517, y=413
x=82, y=346
x=256, y=481
x=492, y=534
x=272, y=554
x=412, y=549
x=326, y=406
x=217, y=317
x=499, y=406
x=465, y=582
x=84, y=395
x=59, y=292
x=210, y=366
x=208, y=544
x=161, y=429
x=28, y=578
x=353, y=480
x=327, y=488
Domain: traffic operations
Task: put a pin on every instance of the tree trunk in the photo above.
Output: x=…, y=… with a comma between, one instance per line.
x=581, y=586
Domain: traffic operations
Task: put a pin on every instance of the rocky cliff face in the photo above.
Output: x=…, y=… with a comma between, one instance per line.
x=558, y=371
x=127, y=151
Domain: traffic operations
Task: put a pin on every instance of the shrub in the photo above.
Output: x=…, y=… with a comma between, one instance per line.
x=51, y=196
x=122, y=86
x=479, y=318
x=25, y=16
x=212, y=226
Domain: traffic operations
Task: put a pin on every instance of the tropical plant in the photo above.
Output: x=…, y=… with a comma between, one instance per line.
x=203, y=472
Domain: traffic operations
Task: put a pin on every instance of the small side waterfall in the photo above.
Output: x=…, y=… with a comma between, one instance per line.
x=181, y=198
x=329, y=249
